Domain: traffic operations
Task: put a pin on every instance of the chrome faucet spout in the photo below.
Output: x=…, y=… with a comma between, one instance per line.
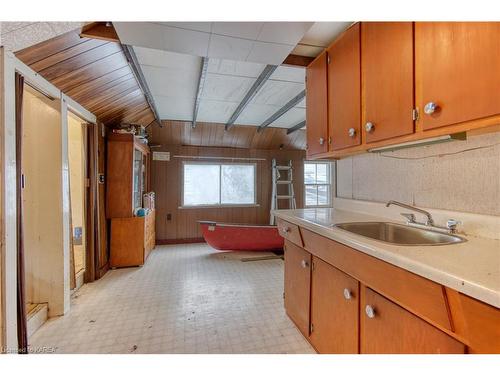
x=429, y=221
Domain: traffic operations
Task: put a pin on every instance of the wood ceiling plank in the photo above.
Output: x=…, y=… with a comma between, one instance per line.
x=100, y=30
x=76, y=62
x=49, y=47
x=95, y=86
x=66, y=54
x=109, y=97
x=132, y=98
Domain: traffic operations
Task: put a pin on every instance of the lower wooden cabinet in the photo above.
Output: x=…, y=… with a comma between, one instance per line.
x=334, y=310
x=387, y=328
x=297, y=285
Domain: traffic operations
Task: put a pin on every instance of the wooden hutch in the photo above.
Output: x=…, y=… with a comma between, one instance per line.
x=128, y=168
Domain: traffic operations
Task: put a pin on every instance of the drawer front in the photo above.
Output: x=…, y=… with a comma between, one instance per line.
x=421, y=296
x=290, y=232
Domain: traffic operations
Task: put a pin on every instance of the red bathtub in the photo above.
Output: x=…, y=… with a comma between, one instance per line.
x=222, y=236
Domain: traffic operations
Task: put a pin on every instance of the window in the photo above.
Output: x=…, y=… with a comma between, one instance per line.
x=317, y=180
x=210, y=184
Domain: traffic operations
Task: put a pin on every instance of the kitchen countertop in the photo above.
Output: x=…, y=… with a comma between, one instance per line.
x=471, y=267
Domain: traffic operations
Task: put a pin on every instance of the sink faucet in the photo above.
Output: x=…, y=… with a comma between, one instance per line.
x=411, y=217
x=451, y=225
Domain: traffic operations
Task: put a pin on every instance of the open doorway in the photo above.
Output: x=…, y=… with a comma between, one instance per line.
x=77, y=159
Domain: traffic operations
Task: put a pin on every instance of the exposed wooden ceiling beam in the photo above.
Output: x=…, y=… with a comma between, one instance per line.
x=257, y=85
x=201, y=83
x=100, y=30
x=280, y=112
x=300, y=125
x=141, y=80
x=297, y=60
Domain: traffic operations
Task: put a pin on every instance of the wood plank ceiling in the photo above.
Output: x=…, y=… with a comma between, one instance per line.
x=213, y=135
x=95, y=73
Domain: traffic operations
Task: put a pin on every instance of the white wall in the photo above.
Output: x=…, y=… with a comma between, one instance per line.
x=457, y=176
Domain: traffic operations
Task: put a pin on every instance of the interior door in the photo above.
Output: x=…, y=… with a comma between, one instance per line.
x=316, y=102
x=344, y=92
x=457, y=71
x=297, y=285
x=334, y=310
x=387, y=328
x=387, y=79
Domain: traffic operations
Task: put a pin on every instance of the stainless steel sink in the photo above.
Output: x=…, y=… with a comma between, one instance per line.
x=400, y=234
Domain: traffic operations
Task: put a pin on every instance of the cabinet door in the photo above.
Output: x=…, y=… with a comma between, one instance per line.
x=344, y=92
x=388, y=328
x=297, y=285
x=387, y=79
x=457, y=69
x=316, y=103
x=334, y=310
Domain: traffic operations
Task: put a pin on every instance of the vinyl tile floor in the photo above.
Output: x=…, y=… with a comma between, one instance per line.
x=185, y=299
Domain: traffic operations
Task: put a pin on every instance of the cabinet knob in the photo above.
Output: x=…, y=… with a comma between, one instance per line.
x=321, y=141
x=347, y=294
x=430, y=108
x=369, y=127
x=285, y=230
x=370, y=311
x=304, y=263
x=351, y=132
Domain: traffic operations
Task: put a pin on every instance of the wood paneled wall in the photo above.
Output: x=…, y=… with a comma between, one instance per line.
x=167, y=183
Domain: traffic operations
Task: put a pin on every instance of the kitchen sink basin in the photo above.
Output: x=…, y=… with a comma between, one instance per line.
x=400, y=234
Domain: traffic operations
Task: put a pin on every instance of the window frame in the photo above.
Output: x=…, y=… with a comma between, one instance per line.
x=329, y=185
x=218, y=205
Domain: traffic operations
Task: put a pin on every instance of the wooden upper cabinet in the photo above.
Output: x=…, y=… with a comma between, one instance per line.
x=344, y=91
x=297, y=285
x=316, y=103
x=387, y=79
x=387, y=328
x=457, y=69
x=334, y=310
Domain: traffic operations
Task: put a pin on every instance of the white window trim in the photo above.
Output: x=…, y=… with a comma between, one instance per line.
x=219, y=205
x=330, y=184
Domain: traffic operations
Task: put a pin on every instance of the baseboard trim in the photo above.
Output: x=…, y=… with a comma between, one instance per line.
x=176, y=241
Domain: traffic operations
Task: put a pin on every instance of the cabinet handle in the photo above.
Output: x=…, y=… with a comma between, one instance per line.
x=347, y=294
x=304, y=263
x=370, y=311
x=285, y=230
x=321, y=141
x=369, y=127
x=430, y=108
x=351, y=132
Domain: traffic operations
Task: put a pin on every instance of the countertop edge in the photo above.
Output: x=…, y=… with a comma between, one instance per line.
x=468, y=288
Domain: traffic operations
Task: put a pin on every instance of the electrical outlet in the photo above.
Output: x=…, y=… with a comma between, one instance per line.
x=169, y=216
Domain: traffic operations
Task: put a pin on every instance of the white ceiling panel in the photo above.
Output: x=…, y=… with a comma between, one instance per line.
x=290, y=74
x=269, y=53
x=206, y=27
x=173, y=60
x=226, y=88
x=174, y=108
x=245, y=30
x=283, y=32
x=226, y=47
x=323, y=33
x=235, y=68
x=215, y=111
x=305, y=50
x=291, y=118
x=277, y=92
x=171, y=82
x=256, y=114
x=302, y=103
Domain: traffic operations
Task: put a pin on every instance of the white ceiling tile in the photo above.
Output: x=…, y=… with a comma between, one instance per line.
x=143, y=34
x=235, y=68
x=171, y=82
x=269, y=53
x=245, y=30
x=256, y=114
x=323, y=33
x=283, y=32
x=288, y=73
x=185, y=41
x=226, y=88
x=206, y=27
x=174, y=108
x=291, y=118
x=224, y=47
x=305, y=50
x=159, y=58
x=27, y=36
x=277, y=92
x=7, y=27
x=302, y=104
x=215, y=111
